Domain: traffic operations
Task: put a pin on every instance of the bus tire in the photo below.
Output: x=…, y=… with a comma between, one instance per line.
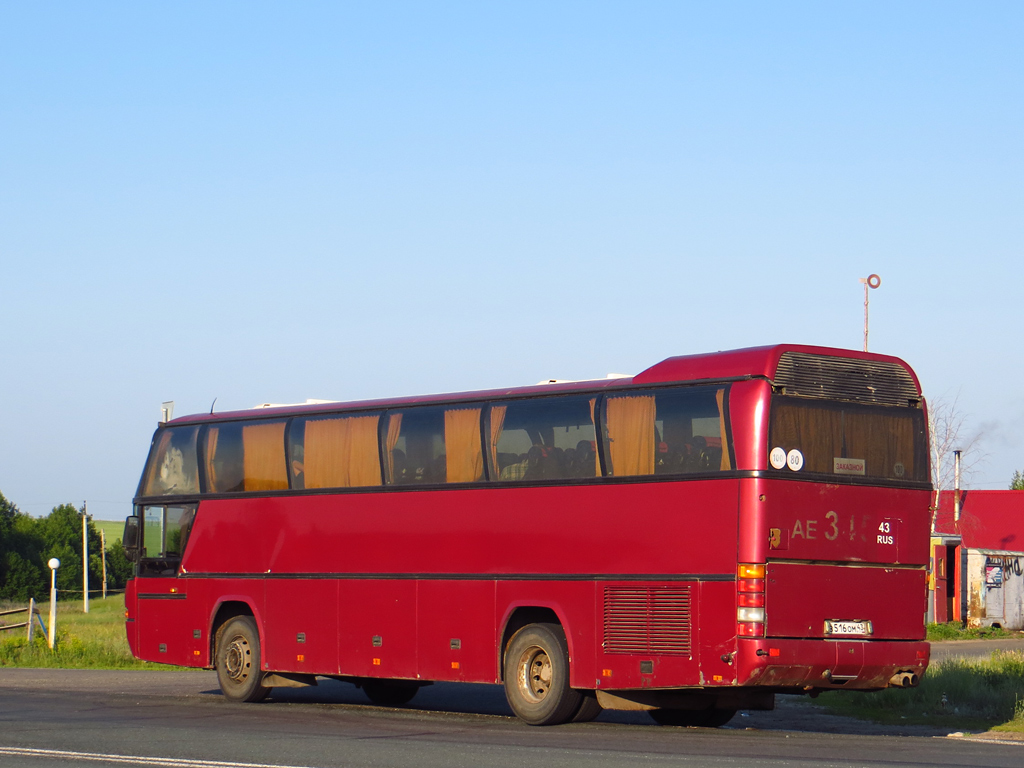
x=589, y=708
x=693, y=718
x=388, y=694
x=238, y=661
x=537, y=676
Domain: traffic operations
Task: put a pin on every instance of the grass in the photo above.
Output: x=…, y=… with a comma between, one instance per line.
x=958, y=693
x=114, y=529
x=94, y=640
x=955, y=631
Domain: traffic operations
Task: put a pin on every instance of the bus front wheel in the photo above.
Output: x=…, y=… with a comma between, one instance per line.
x=238, y=661
x=537, y=676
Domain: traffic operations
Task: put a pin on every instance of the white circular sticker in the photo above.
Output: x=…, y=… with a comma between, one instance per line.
x=898, y=469
x=795, y=460
x=777, y=457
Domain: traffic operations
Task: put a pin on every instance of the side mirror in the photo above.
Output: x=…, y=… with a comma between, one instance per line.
x=131, y=538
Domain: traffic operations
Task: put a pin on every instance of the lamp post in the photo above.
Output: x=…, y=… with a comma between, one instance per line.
x=871, y=281
x=54, y=565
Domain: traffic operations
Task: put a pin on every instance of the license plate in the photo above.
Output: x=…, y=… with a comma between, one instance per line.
x=847, y=627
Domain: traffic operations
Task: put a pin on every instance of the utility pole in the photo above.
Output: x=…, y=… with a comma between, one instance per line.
x=103, y=559
x=871, y=281
x=85, y=557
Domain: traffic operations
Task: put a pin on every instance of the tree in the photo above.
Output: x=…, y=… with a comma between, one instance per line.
x=27, y=543
x=21, y=570
x=1017, y=481
x=119, y=567
x=948, y=430
x=62, y=533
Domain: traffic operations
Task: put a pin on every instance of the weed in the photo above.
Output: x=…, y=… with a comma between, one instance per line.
x=958, y=692
x=955, y=631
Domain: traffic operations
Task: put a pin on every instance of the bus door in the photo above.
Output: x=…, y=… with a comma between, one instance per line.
x=165, y=631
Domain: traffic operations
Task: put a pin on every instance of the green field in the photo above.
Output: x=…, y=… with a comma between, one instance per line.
x=113, y=529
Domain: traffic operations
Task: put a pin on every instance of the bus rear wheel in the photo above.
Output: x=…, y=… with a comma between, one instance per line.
x=238, y=661
x=537, y=676
x=696, y=718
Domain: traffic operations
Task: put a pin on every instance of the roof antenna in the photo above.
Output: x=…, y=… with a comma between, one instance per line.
x=213, y=404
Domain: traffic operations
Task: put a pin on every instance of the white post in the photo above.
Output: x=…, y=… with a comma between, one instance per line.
x=85, y=557
x=54, y=565
x=871, y=281
x=103, y=559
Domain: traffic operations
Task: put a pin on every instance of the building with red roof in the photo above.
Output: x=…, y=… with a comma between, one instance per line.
x=978, y=559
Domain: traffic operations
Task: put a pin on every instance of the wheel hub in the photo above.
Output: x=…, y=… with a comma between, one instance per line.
x=534, y=673
x=238, y=659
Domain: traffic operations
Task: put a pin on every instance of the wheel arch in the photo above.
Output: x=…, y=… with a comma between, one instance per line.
x=519, y=616
x=225, y=610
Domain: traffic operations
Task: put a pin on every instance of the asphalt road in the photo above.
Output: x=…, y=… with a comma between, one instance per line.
x=974, y=648
x=180, y=720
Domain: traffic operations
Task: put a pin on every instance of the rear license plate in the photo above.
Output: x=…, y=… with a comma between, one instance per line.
x=854, y=628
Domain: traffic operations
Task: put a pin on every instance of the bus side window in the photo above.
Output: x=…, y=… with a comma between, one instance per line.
x=334, y=451
x=414, y=446
x=543, y=439
x=691, y=423
x=246, y=456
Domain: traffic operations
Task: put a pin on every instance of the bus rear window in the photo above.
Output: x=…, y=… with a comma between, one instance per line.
x=172, y=468
x=848, y=440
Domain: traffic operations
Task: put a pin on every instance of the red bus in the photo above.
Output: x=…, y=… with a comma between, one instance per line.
x=691, y=540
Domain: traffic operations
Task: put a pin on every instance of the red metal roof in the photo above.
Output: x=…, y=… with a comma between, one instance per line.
x=751, y=362
x=988, y=519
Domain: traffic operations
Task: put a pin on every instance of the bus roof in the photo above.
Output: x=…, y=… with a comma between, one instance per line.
x=729, y=365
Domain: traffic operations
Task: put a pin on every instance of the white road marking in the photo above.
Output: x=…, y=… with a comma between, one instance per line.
x=169, y=762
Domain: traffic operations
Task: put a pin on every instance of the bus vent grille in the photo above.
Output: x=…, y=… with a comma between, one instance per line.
x=839, y=378
x=647, y=620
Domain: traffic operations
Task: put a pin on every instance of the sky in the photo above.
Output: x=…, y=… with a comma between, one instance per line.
x=269, y=202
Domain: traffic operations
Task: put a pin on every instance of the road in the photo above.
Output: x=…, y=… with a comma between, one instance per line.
x=975, y=648
x=179, y=719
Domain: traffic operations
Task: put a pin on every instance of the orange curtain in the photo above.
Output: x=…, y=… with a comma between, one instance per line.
x=816, y=432
x=211, y=455
x=497, y=422
x=341, y=452
x=465, y=460
x=630, y=429
x=394, y=429
x=882, y=440
x=726, y=461
x=263, y=457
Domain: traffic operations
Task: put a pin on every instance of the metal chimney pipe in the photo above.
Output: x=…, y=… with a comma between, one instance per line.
x=956, y=486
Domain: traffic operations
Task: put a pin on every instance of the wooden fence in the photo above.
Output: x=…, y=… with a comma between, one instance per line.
x=32, y=612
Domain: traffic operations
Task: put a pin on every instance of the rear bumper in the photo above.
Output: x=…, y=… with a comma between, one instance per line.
x=827, y=664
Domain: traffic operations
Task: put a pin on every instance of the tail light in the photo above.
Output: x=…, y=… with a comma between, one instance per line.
x=750, y=600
